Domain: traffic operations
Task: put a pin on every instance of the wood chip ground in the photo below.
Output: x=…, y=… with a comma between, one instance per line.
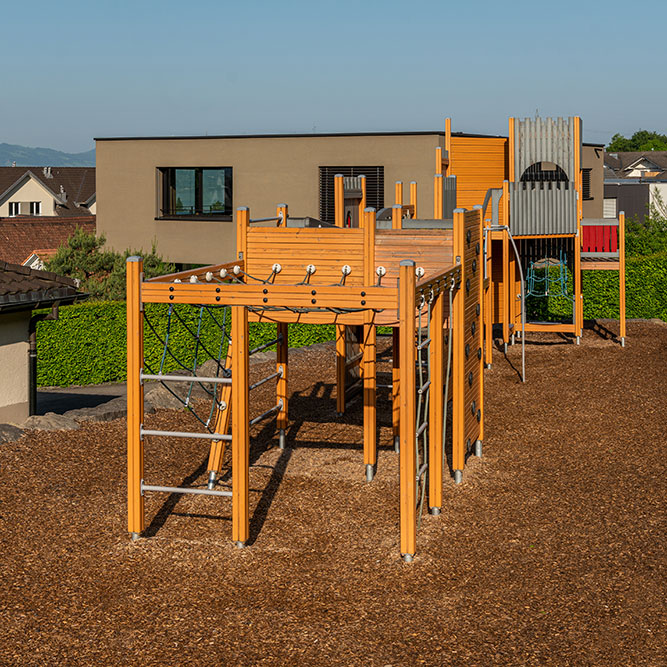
x=551, y=551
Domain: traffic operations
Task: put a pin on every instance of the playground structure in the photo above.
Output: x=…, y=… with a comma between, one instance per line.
x=536, y=241
x=422, y=278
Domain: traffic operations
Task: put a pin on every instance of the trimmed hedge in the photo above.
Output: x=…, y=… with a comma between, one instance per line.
x=87, y=344
x=646, y=293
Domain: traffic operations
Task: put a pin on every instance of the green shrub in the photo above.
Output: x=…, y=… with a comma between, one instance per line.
x=87, y=345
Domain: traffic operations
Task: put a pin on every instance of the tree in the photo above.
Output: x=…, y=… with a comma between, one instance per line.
x=101, y=272
x=642, y=140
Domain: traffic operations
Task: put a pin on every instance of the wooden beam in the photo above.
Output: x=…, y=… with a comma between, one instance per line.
x=369, y=353
x=621, y=273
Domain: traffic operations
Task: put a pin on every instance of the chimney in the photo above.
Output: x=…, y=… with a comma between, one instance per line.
x=63, y=194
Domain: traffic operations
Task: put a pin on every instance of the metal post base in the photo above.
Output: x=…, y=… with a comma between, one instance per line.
x=240, y=545
x=458, y=476
x=370, y=472
x=397, y=443
x=578, y=340
x=435, y=511
x=512, y=339
x=339, y=414
x=407, y=558
x=478, y=449
x=488, y=367
x=212, y=479
x=505, y=347
x=282, y=440
x=135, y=536
x=622, y=342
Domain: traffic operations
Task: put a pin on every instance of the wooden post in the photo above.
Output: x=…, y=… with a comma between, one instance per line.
x=505, y=310
x=458, y=352
x=341, y=363
x=222, y=415
x=398, y=193
x=339, y=201
x=488, y=305
x=510, y=152
x=242, y=223
x=438, y=160
x=396, y=216
x=408, y=467
x=135, y=397
x=448, y=145
x=437, y=197
x=281, y=214
x=621, y=273
x=240, y=428
x=368, y=350
x=282, y=357
x=396, y=386
x=436, y=352
x=362, y=201
x=578, y=296
x=479, y=257
x=413, y=198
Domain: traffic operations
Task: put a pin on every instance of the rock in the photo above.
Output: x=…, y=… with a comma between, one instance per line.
x=116, y=408
x=9, y=433
x=160, y=398
x=51, y=422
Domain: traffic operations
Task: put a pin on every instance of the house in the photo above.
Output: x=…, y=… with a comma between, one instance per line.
x=181, y=192
x=634, y=181
x=21, y=291
x=23, y=238
x=47, y=191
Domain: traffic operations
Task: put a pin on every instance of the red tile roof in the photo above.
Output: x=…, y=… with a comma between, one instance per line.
x=20, y=236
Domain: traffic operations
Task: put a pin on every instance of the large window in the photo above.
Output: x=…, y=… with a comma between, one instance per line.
x=196, y=192
x=35, y=208
x=374, y=188
x=14, y=208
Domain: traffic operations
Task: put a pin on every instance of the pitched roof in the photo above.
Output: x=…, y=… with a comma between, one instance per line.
x=22, y=288
x=77, y=183
x=620, y=162
x=20, y=236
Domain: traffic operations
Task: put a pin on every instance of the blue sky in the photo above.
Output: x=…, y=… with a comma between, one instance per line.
x=76, y=70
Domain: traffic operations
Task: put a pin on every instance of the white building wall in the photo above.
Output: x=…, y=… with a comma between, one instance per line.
x=32, y=190
x=14, y=364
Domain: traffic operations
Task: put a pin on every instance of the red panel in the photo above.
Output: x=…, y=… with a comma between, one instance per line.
x=598, y=238
x=605, y=238
x=614, y=239
x=587, y=234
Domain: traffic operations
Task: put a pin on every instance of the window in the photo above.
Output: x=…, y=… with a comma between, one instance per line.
x=374, y=188
x=586, y=184
x=14, y=208
x=196, y=192
x=609, y=207
x=35, y=208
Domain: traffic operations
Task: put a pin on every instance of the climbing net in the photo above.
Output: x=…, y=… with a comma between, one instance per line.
x=547, y=277
x=423, y=342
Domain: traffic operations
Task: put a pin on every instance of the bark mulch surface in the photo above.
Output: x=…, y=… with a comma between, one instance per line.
x=551, y=551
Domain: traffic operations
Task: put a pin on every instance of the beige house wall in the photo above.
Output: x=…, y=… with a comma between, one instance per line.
x=266, y=171
x=14, y=364
x=592, y=157
x=31, y=190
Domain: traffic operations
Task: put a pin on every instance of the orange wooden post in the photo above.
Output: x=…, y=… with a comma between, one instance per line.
x=621, y=273
x=398, y=193
x=242, y=223
x=369, y=378
x=222, y=415
x=408, y=454
x=458, y=353
x=438, y=160
x=396, y=216
x=282, y=358
x=437, y=197
x=339, y=201
x=448, y=145
x=436, y=352
x=341, y=363
x=505, y=310
x=240, y=428
x=510, y=141
x=578, y=291
x=488, y=305
x=413, y=198
x=396, y=386
x=135, y=397
x=362, y=201
x=479, y=258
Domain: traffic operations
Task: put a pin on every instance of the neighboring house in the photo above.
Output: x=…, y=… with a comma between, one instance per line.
x=47, y=191
x=180, y=193
x=20, y=239
x=22, y=290
x=633, y=182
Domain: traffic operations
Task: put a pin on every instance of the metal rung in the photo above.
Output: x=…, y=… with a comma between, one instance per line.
x=421, y=429
x=385, y=386
x=421, y=471
x=424, y=387
x=423, y=344
x=259, y=348
x=273, y=219
x=259, y=383
x=180, y=489
x=269, y=412
x=184, y=378
x=186, y=434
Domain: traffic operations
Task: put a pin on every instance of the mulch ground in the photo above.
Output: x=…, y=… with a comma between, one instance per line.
x=551, y=551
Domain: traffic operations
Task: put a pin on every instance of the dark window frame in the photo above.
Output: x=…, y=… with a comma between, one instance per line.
x=586, y=184
x=374, y=187
x=166, y=196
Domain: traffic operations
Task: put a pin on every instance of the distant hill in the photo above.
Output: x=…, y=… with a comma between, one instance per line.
x=43, y=157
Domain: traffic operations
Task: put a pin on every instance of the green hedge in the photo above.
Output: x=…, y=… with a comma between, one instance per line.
x=87, y=344
x=646, y=293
